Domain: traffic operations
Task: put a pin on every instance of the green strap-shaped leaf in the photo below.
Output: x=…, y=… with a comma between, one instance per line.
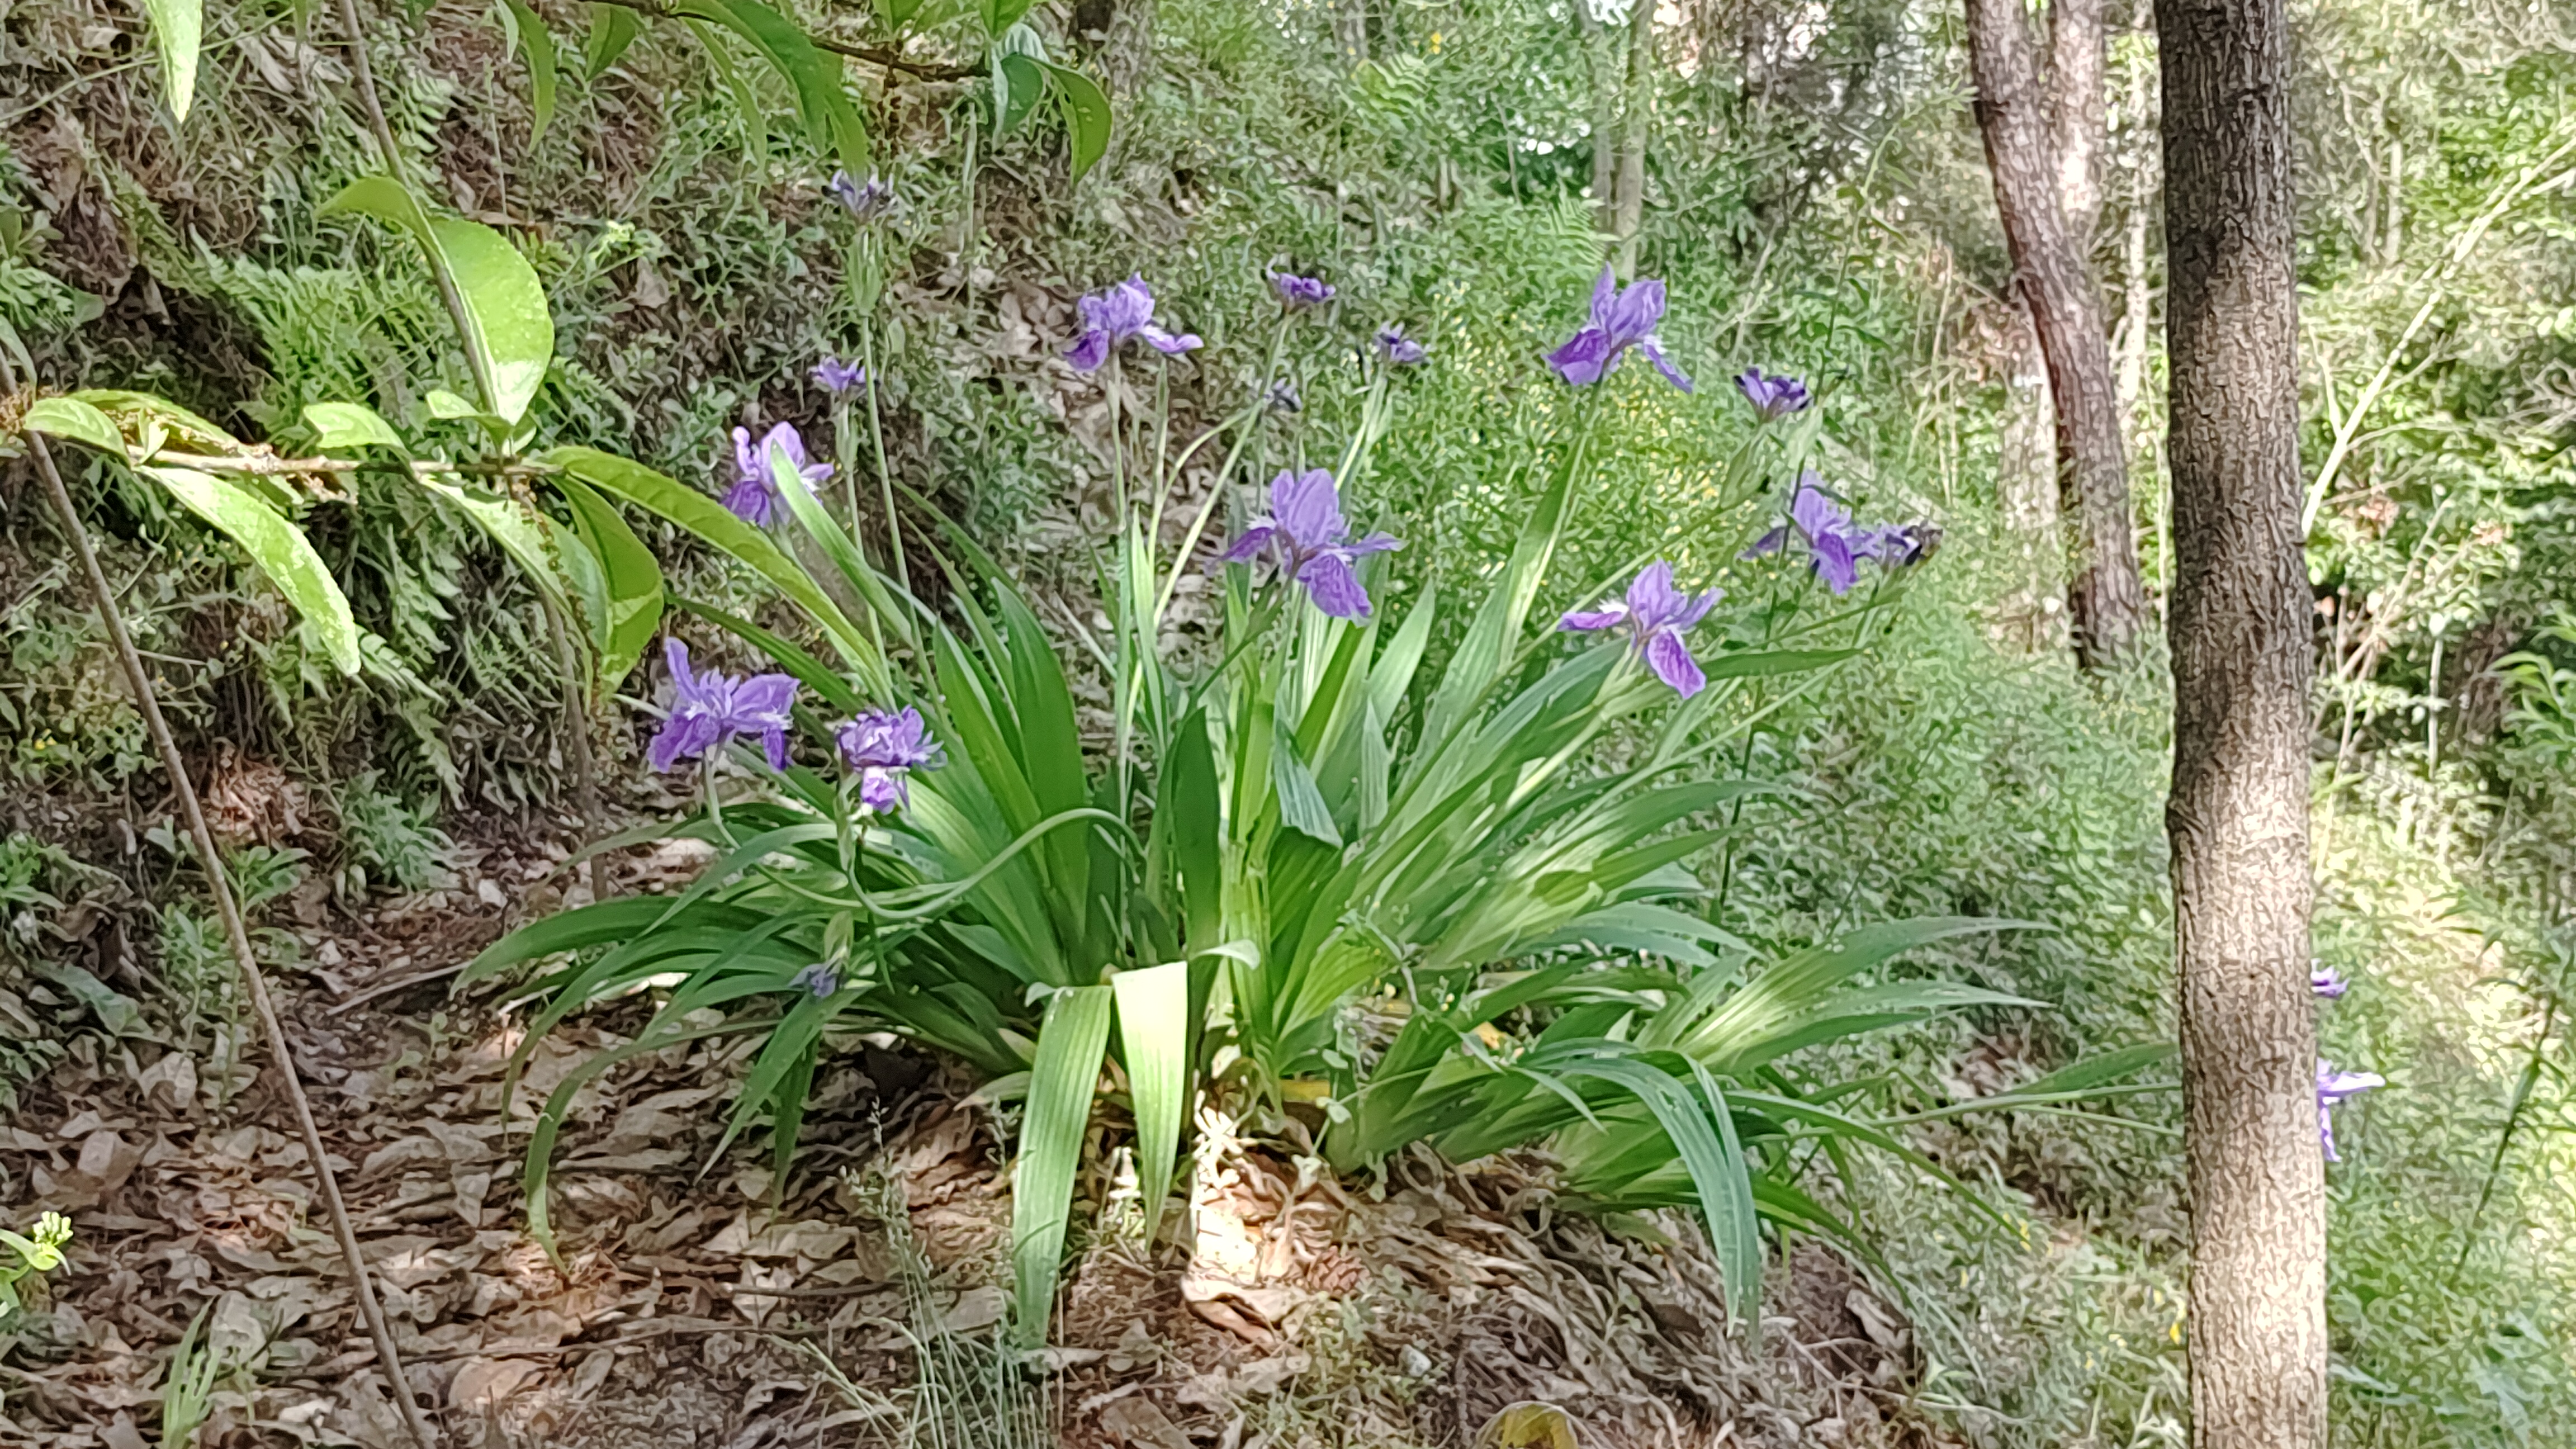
x=1071, y=1042
x=1704, y=1136
x=1154, y=1042
x=341, y=426
x=178, y=27
x=510, y=335
x=1086, y=116
x=633, y=579
x=69, y=417
x=278, y=547
x=529, y=32
x=612, y=29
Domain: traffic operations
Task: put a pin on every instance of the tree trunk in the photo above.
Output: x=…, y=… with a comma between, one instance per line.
x=2026, y=487
x=1599, y=59
x=1628, y=212
x=2138, y=295
x=2106, y=604
x=2242, y=658
x=2079, y=119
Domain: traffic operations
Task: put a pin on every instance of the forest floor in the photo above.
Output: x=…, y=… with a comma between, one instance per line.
x=689, y=1307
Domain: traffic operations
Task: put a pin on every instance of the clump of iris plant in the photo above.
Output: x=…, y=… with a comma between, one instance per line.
x=1836, y=544
x=1656, y=616
x=1621, y=319
x=885, y=746
x=1307, y=533
x=1113, y=316
x=1398, y=349
x=709, y=711
x=753, y=498
x=867, y=200
x=1296, y=291
x=2332, y=1087
x=1772, y=397
x=836, y=377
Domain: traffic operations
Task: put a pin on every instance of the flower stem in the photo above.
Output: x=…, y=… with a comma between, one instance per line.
x=885, y=475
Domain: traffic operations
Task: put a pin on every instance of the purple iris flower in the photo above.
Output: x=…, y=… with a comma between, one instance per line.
x=821, y=979
x=836, y=377
x=1306, y=526
x=1621, y=319
x=867, y=200
x=707, y=710
x=2333, y=1087
x=753, y=498
x=1299, y=291
x=1398, y=349
x=1111, y=317
x=885, y=746
x=1835, y=544
x=2325, y=981
x=1772, y=397
x=1284, y=396
x=1656, y=615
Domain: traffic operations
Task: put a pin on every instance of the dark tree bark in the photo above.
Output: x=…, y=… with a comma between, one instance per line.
x=2238, y=815
x=2105, y=601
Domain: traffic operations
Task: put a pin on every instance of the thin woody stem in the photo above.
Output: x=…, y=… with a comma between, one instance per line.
x=567, y=658
x=147, y=701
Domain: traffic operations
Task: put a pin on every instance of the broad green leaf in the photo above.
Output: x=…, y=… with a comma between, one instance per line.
x=746, y=101
x=69, y=417
x=1086, y=116
x=521, y=531
x=1001, y=15
x=1154, y=1044
x=511, y=336
x=152, y=420
x=708, y=519
x=612, y=29
x=450, y=407
x=278, y=547
x=178, y=28
x=632, y=575
x=1071, y=1042
x=341, y=426
x=529, y=32
x=1018, y=84
x=831, y=122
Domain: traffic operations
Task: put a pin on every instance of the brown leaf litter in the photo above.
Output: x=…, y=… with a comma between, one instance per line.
x=1298, y=1312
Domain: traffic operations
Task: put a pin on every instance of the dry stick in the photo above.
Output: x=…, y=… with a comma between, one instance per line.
x=234, y=935
x=577, y=719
